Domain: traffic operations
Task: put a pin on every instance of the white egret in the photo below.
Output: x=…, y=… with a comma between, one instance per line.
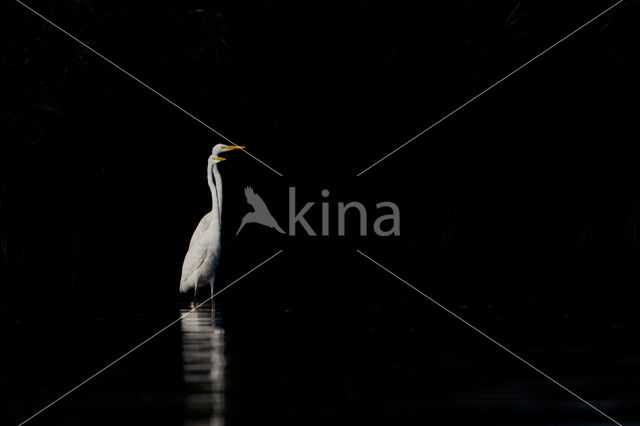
x=201, y=260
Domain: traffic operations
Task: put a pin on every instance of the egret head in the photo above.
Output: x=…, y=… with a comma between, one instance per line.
x=215, y=160
x=219, y=148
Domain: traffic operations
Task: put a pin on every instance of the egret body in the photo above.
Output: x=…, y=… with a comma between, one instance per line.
x=201, y=260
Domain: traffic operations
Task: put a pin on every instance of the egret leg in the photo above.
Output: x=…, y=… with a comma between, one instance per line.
x=211, y=285
x=195, y=292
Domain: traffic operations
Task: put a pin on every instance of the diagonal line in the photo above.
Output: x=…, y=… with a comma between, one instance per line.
x=146, y=86
x=494, y=84
x=491, y=339
x=146, y=340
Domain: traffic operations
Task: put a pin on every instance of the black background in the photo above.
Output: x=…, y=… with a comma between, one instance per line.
x=520, y=212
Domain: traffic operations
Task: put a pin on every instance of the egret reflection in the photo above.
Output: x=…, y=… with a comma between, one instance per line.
x=203, y=367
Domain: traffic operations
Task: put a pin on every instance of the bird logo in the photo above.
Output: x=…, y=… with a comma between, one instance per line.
x=260, y=213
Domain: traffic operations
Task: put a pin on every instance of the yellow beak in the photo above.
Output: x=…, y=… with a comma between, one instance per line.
x=235, y=147
x=220, y=159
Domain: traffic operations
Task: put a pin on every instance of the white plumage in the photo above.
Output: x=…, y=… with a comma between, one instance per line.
x=201, y=260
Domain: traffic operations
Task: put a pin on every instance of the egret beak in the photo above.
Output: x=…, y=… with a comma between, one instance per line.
x=220, y=159
x=235, y=147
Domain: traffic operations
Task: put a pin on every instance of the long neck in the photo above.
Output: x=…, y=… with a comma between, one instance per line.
x=213, y=179
x=218, y=182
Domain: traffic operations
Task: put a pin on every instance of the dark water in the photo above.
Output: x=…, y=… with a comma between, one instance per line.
x=379, y=364
x=521, y=213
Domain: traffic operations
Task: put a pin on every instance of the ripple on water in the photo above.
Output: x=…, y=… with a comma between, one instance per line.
x=203, y=361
